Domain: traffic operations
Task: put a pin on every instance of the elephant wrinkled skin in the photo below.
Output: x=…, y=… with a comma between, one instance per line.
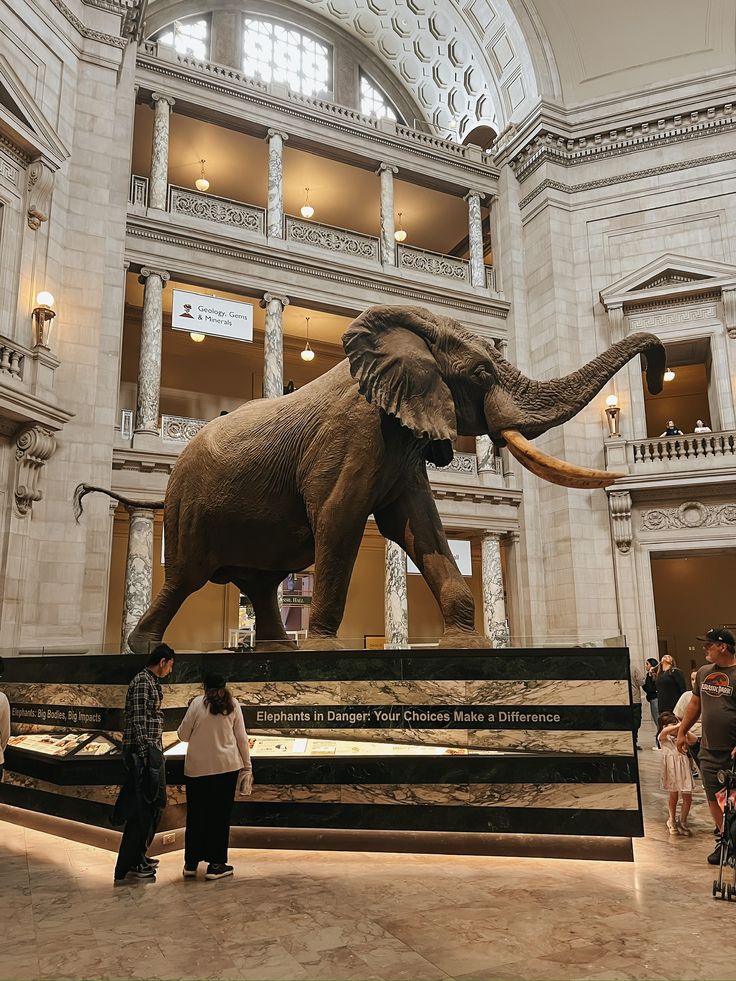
x=279, y=484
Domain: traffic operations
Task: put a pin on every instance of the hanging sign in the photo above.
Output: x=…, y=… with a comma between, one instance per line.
x=460, y=552
x=212, y=315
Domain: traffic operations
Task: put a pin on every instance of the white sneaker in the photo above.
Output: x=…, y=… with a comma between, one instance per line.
x=656, y=749
x=673, y=828
x=684, y=830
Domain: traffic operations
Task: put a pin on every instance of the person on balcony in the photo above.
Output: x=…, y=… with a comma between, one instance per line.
x=671, y=430
x=700, y=427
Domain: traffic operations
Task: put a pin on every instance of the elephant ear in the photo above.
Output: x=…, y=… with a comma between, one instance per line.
x=390, y=354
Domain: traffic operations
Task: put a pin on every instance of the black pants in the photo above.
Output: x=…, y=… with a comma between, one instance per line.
x=209, y=805
x=636, y=720
x=143, y=815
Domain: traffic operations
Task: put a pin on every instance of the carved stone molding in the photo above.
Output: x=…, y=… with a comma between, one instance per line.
x=40, y=186
x=691, y=514
x=619, y=505
x=34, y=445
x=728, y=296
x=223, y=211
x=117, y=42
x=674, y=317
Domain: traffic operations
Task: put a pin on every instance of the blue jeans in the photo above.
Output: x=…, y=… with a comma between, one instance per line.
x=654, y=709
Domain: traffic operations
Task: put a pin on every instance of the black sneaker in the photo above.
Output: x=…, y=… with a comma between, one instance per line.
x=715, y=856
x=143, y=872
x=153, y=862
x=218, y=871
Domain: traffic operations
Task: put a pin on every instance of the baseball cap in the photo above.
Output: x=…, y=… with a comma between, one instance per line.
x=719, y=635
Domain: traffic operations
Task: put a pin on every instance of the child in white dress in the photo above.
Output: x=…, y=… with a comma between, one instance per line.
x=677, y=776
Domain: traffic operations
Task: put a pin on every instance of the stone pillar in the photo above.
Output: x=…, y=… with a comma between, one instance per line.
x=395, y=607
x=728, y=298
x=475, y=239
x=494, y=605
x=159, y=181
x=138, y=571
x=388, y=242
x=722, y=376
x=485, y=454
x=149, y=359
x=275, y=221
x=273, y=345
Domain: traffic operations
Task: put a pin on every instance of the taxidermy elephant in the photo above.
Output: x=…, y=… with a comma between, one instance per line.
x=281, y=483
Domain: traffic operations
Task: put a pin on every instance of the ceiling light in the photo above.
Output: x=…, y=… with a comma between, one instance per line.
x=307, y=354
x=197, y=338
x=201, y=182
x=307, y=211
x=669, y=375
x=400, y=234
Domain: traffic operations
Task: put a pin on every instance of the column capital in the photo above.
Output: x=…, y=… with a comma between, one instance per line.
x=386, y=168
x=270, y=297
x=276, y=132
x=126, y=265
x=489, y=535
x=473, y=193
x=160, y=97
x=135, y=512
x=146, y=272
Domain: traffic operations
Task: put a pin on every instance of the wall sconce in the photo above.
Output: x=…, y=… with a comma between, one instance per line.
x=42, y=316
x=400, y=233
x=201, y=183
x=306, y=209
x=197, y=338
x=307, y=354
x=613, y=413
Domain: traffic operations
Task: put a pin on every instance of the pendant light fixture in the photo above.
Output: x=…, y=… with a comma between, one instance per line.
x=669, y=375
x=307, y=209
x=201, y=182
x=400, y=233
x=197, y=338
x=307, y=354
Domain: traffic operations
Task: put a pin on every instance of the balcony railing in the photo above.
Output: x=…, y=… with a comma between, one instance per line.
x=462, y=463
x=180, y=429
x=433, y=263
x=210, y=207
x=340, y=241
x=682, y=452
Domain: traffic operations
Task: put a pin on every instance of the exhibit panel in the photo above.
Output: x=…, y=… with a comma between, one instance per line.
x=525, y=741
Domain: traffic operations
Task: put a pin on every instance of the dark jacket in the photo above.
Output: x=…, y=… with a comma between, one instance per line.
x=650, y=688
x=670, y=685
x=144, y=787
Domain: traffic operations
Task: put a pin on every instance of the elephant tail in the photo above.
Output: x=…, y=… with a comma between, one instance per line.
x=84, y=489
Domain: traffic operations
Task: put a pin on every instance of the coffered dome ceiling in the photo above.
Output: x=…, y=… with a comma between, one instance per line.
x=487, y=62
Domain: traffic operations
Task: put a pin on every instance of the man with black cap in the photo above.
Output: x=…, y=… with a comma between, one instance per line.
x=714, y=695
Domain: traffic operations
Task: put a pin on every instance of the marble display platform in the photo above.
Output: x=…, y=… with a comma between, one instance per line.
x=531, y=741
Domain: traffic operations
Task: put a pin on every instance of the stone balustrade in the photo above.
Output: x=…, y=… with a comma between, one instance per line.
x=210, y=207
x=465, y=464
x=692, y=451
x=433, y=263
x=180, y=429
x=490, y=278
x=338, y=241
x=12, y=360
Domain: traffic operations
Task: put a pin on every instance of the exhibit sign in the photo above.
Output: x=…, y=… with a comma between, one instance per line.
x=216, y=316
x=460, y=552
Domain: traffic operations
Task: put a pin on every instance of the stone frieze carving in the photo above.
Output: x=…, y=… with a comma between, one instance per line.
x=619, y=505
x=333, y=239
x=691, y=514
x=34, y=446
x=673, y=317
x=435, y=265
x=219, y=210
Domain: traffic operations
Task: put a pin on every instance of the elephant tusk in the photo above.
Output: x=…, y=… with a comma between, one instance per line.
x=553, y=470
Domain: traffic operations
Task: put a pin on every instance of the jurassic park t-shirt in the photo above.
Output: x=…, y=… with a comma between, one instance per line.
x=716, y=689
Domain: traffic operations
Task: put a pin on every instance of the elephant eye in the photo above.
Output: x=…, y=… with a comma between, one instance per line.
x=481, y=372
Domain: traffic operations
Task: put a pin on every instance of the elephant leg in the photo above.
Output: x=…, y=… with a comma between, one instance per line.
x=413, y=523
x=153, y=623
x=336, y=548
x=261, y=588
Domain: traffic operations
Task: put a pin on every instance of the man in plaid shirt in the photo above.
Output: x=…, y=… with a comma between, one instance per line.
x=143, y=793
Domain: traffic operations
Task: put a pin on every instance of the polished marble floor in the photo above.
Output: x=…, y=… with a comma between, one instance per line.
x=324, y=915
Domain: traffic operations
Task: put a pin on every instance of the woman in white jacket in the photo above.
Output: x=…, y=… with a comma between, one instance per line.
x=218, y=750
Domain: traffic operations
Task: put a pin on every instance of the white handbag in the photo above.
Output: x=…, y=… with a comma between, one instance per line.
x=244, y=787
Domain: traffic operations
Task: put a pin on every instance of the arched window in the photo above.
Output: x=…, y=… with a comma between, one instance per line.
x=374, y=102
x=188, y=37
x=274, y=52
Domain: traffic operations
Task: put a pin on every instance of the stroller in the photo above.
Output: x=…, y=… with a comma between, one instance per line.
x=727, y=890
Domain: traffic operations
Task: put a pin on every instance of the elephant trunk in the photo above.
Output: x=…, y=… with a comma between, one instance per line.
x=543, y=405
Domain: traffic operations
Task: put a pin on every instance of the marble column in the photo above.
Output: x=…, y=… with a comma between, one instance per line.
x=494, y=606
x=149, y=358
x=395, y=608
x=388, y=242
x=728, y=299
x=275, y=222
x=158, y=184
x=721, y=376
x=475, y=239
x=138, y=571
x=273, y=345
x=485, y=454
